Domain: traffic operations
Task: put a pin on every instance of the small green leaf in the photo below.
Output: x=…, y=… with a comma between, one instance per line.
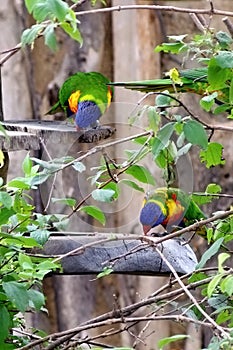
x=29, y=35
x=173, y=48
x=74, y=34
x=213, y=189
x=67, y=201
x=223, y=316
x=165, y=341
x=113, y=186
x=195, y=133
x=95, y=212
x=153, y=118
x=161, y=141
x=162, y=100
x=212, y=155
x=223, y=38
x=132, y=184
x=140, y=173
x=106, y=271
x=211, y=251
x=6, y=200
x=50, y=37
x=208, y=101
x=4, y=322
x=213, y=284
x=221, y=259
x=217, y=76
x=103, y=195
x=79, y=166
x=19, y=183
x=27, y=165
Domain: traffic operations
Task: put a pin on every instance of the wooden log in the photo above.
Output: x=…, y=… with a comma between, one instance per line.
x=124, y=255
x=27, y=134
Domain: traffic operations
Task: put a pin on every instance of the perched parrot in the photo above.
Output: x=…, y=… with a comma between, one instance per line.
x=172, y=208
x=190, y=80
x=85, y=95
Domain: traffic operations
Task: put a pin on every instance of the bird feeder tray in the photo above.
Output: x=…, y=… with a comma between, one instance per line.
x=91, y=253
x=28, y=134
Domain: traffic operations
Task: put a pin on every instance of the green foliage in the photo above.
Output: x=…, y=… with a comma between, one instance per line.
x=49, y=15
x=165, y=341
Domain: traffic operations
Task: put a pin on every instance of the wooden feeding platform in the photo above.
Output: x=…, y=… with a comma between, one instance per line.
x=90, y=253
x=28, y=134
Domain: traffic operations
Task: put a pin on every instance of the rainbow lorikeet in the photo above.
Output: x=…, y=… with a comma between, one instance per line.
x=189, y=80
x=85, y=95
x=172, y=208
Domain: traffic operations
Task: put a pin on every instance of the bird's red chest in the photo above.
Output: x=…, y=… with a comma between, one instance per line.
x=175, y=211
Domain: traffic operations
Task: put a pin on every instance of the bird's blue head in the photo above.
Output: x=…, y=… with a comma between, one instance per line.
x=87, y=114
x=151, y=215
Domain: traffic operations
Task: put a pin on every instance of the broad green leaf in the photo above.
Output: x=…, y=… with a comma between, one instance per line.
x=25, y=261
x=29, y=5
x=218, y=301
x=5, y=214
x=36, y=299
x=67, y=201
x=211, y=251
x=58, y=8
x=140, y=173
x=132, y=184
x=195, y=133
x=223, y=38
x=212, y=155
x=40, y=235
x=208, y=101
x=29, y=35
x=221, y=259
x=113, y=186
x=50, y=37
x=95, y=212
x=19, y=183
x=173, y=48
x=5, y=199
x=165, y=341
x=103, y=195
x=17, y=294
x=224, y=59
x=41, y=11
x=217, y=76
x=163, y=100
x=79, y=166
x=213, y=284
x=162, y=139
x=153, y=118
x=4, y=322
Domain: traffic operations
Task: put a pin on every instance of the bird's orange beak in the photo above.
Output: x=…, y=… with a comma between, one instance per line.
x=146, y=229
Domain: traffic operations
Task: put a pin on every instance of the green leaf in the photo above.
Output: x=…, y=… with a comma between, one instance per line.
x=5, y=214
x=79, y=166
x=213, y=284
x=195, y=133
x=40, y=235
x=223, y=316
x=208, y=101
x=113, y=186
x=132, y=184
x=213, y=189
x=231, y=92
x=95, y=212
x=50, y=37
x=103, y=195
x=213, y=249
x=223, y=38
x=173, y=48
x=165, y=341
x=25, y=262
x=163, y=101
x=29, y=5
x=29, y=35
x=161, y=141
x=153, y=118
x=17, y=294
x=58, y=8
x=71, y=202
x=27, y=165
x=19, y=183
x=217, y=76
x=221, y=259
x=36, y=299
x=227, y=285
x=106, y=271
x=74, y=34
x=4, y=322
x=6, y=199
x=212, y=156
x=140, y=173
x=224, y=59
